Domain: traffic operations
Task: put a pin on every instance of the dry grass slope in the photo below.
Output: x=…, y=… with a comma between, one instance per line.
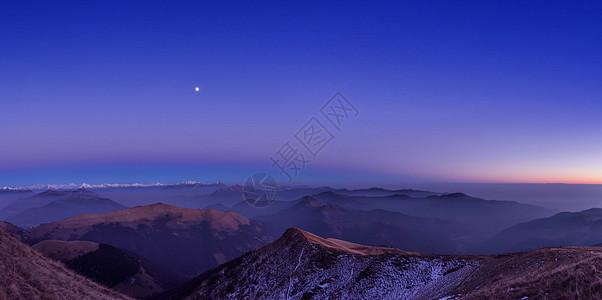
x=553, y=273
x=133, y=217
x=27, y=274
x=310, y=267
x=350, y=247
x=64, y=251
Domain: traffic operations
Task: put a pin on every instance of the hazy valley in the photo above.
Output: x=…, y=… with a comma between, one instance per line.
x=350, y=243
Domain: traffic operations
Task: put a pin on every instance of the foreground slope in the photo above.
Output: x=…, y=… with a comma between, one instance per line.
x=185, y=241
x=551, y=273
x=26, y=274
x=116, y=268
x=16, y=232
x=300, y=265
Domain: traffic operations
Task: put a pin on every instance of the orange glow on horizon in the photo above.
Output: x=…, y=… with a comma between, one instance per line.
x=540, y=179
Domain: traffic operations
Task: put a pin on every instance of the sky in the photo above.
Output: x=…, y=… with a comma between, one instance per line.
x=445, y=91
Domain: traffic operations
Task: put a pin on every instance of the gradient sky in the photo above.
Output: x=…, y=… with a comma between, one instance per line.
x=448, y=91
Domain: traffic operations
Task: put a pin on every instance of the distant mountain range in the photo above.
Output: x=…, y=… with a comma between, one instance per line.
x=485, y=216
x=374, y=227
x=300, y=265
x=8, y=196
x=414, y=220
x=563, y=229
x=73, y=186
x=474, y=219
x=52, y=206
x=13, y=190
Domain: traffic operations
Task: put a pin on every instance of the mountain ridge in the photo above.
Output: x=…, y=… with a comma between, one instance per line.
x=149, y=213
x=294, y=267
x=184, y=241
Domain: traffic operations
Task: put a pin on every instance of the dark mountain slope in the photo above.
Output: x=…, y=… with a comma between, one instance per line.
x=15, y=231
x=27, y=274
x=300, y=265
x=184, y=241
x=119, y=269
x=564, y=229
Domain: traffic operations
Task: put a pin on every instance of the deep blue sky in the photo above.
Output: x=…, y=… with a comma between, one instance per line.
x=460, y=91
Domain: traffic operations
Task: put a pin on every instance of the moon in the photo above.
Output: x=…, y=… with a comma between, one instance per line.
x=196, y=88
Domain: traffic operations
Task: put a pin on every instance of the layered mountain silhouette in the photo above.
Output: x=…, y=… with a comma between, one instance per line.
x=301, y=265
x=42, y=199
x=245, y=209
x=382, y=192
x=7, y=196
x=229, y=252
x=486, y=216
x=564, y=229
x=231, y=197
x=185, y=194
x=119, y=269
x=50, y=206
x=374, y=227
x=27, y=274
x=184, y=241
